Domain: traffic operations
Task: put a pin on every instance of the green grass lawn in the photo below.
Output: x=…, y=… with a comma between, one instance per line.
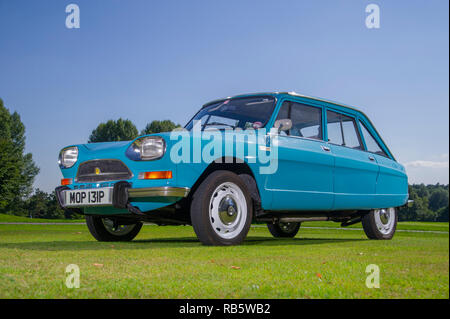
x=4, y=218
x=169, y=262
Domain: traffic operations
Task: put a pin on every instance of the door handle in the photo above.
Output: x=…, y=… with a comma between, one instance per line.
x=371, y=158
x=325, y=148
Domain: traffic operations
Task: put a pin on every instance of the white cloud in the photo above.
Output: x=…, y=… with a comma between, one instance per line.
x=427, y=164
x=428, y=172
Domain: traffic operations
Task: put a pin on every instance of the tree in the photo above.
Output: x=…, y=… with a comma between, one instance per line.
x=44, y=205
x=37, y=204
x=422, y=190
x=438, y=199
x=9, y=174
x=113, y=131
x=159, y=126
x=442, y=214
x=17, y=169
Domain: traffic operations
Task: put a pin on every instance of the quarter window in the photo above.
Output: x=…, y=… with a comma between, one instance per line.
x=342, y=130
x=371, y=143
x=306, y=120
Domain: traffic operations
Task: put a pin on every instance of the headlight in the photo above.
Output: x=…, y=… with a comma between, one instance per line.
x=147, y=148
x=68, y=157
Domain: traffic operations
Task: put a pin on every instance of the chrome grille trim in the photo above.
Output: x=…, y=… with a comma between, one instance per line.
x=109, y=170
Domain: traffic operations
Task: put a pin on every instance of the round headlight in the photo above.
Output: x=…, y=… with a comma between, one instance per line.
x=68, y=157
x=147, y=148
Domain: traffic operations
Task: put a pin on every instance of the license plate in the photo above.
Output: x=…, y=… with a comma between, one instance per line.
x=88, y=197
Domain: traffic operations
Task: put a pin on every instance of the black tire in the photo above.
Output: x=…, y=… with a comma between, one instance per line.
x=283, y=230
x=99, y=231
x=371, y=228
x=200, y=210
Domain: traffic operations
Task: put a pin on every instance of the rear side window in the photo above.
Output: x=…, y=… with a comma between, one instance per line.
x=371, y=143
x=306, y=120
x=342, y=130
x=334, y=128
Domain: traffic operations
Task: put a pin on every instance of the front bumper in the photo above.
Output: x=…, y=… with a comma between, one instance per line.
x=158, y=192
x=123, y=194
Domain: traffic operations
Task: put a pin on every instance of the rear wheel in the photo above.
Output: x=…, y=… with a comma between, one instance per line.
x=107, y=229
x=221, y=209
x=284, y=230
x=380, y=223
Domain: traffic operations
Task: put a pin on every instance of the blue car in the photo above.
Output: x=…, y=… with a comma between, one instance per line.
x=276, y=158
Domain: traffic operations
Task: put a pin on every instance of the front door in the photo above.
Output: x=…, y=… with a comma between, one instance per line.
x=304, y=178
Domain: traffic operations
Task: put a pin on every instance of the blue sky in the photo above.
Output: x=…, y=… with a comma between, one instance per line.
x=146, y=60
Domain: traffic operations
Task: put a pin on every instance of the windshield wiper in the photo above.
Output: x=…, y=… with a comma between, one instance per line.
x=217, y=123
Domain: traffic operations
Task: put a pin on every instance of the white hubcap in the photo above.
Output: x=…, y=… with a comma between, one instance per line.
x=385, y=219
x=228, y=210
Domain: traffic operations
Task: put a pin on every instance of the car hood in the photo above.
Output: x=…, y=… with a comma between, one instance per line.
x=106, y=146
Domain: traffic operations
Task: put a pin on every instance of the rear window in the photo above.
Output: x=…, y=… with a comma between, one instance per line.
x=371, y=143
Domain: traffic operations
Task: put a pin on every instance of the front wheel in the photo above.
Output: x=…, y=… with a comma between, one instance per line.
x=284, y=230
x=380, y=223
x=107, y=229
x=221, y=209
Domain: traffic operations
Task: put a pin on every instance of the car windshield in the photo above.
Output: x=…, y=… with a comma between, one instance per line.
x=248, y=112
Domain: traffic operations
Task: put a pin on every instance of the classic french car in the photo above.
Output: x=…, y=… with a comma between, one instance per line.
x=274, y=158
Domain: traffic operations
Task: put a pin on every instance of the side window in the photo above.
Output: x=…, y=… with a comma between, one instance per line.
x=334, y=128
x=342, y=130
x=284, y=114
x=306, y=120
x=351, y=135
x=371, y=142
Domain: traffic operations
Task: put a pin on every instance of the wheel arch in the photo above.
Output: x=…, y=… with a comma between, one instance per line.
x=236, y=166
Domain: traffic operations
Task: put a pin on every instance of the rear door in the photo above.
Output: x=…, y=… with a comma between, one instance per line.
x=392, y=182
x=355, y=171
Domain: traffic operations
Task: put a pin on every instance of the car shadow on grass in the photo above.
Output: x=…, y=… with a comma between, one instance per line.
x=173, y=242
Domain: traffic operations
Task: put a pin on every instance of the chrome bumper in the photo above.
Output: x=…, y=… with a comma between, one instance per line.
x=165, y=194
x=165, y=191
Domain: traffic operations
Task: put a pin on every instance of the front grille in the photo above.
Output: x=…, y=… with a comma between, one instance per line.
x=102, y=171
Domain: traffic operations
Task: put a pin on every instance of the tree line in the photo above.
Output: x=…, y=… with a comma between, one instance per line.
x=18, y=171
x=430, y=203
x=125, y=130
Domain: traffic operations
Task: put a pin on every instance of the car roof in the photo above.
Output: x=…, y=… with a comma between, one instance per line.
x=278, y=94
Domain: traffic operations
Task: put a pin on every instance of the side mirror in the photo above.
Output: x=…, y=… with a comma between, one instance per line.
x=283, y=125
